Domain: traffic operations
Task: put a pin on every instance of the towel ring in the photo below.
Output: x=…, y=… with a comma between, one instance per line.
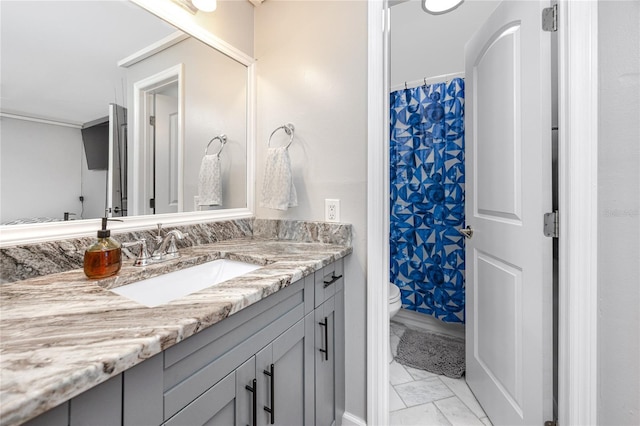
x=223, y=140
x=288, y=128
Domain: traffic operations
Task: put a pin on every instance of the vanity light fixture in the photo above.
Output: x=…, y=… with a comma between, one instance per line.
x=194, y=6
x=205, y=5
x=438, y=7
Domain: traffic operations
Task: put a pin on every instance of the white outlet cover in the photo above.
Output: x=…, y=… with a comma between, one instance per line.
x=332, y=210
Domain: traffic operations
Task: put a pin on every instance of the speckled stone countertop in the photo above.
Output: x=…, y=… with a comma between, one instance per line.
x=62, y=334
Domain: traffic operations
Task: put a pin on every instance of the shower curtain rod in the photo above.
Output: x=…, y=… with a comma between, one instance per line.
x=431, y=80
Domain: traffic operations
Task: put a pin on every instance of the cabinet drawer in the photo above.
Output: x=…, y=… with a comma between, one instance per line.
x=328, y=281
x=186, y=376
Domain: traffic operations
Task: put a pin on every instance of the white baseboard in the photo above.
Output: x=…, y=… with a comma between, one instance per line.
x=349, y=419
x=427, y=322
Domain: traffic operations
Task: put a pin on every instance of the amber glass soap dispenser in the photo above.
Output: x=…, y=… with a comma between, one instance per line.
x=104, y=257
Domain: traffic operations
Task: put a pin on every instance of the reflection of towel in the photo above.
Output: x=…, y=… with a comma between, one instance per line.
x=209, y=182
x=278, y=191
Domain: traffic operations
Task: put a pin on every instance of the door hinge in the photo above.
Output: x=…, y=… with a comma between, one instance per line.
x=550, y=18
x=551, y=227
x=152, y=203
x=152, y=120
x=551, y=423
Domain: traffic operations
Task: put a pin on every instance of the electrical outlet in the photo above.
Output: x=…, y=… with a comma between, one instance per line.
x=332, y=210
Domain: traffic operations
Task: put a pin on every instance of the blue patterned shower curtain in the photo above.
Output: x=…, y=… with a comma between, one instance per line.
x=427, y=198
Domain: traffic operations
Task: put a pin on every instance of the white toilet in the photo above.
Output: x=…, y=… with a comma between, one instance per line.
x=394, y=306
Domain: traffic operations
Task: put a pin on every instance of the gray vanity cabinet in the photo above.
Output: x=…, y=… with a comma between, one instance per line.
x=276, y=375
x=279, y=361
x=99, y=406
x=329, y=344
x=286, y=370
x=198, y=373
x=229, y=402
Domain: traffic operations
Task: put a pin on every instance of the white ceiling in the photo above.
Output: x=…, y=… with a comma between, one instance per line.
x=58, y=58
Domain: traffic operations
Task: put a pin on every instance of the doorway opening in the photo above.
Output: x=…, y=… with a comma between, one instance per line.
x=435, y=63
x=159, y=145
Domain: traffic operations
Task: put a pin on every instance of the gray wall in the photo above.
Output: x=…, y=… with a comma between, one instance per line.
x=619, y=217
x=43, y=171
x=312, y=71
x=424, y=45
x=215, y=95
x=232, y=22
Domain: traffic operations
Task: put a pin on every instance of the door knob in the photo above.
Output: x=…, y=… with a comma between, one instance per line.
x=466, y=232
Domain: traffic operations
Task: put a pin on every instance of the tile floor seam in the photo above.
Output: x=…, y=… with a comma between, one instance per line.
x=401, y=399
x=462, y=400
x=436, y=380
x=441, y=413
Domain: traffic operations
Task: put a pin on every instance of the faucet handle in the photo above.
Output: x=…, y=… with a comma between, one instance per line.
x=172, y=251
x=159, y=234
x=143, y=258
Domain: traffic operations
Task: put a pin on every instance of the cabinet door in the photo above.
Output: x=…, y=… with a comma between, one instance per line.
x=142, y=393
x=227, y=403
x=100, y=406
x=280, y=370
x=246, y=394
x=58, y=416
x=325, y=363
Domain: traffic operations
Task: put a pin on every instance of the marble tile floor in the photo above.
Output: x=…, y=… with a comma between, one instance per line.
x=417, y=397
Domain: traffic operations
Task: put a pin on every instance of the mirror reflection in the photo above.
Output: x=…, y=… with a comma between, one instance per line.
x=107, y=109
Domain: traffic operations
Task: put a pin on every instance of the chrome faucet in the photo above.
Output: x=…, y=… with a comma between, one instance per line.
x=143, y=258
x=166, y=248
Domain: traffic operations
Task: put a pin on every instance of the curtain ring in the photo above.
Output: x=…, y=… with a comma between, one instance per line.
x=289, y=129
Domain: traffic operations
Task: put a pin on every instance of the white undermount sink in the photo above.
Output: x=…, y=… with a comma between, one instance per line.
x=174, y=285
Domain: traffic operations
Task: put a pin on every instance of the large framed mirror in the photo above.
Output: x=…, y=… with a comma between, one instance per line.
x=111, y=108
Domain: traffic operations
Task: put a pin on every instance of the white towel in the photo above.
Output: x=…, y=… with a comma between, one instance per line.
x=209, y=182
x=278, y=191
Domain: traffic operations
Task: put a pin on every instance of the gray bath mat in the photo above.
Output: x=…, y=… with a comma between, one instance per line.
x=432, y=352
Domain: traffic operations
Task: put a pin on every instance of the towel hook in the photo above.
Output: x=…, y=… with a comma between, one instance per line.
x=288, y=128
x=223, y=140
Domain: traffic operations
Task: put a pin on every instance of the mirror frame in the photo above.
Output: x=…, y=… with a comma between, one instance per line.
x=11, y=235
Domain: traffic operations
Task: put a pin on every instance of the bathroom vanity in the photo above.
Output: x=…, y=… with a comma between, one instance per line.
x=264, y=348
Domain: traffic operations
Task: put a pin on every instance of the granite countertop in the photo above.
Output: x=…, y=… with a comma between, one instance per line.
x=62, y=334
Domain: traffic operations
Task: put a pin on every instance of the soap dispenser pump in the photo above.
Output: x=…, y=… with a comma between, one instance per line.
x=104, y=257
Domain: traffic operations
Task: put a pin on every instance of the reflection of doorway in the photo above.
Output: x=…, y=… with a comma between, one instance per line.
x=165, y=152
x=158, y=130
x=117, y=169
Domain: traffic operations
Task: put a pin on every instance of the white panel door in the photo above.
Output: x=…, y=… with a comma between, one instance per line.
x=508, y=189
x=166, y=164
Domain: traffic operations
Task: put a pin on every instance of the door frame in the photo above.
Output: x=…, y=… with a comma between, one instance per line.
x=141, y=182
x=577, y=181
